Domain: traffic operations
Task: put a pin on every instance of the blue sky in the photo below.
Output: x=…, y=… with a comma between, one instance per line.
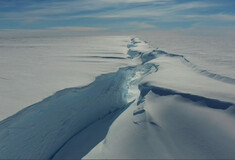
x=115, y=15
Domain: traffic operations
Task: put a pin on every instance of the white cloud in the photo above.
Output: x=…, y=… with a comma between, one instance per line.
x=83, y=29
x=66, y=28
x=141, y=25
x=68, y=7
x=163, y=12
x=156, y=10
x=220, y=17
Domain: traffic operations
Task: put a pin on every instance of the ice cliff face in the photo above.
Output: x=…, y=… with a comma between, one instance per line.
x=159, y=106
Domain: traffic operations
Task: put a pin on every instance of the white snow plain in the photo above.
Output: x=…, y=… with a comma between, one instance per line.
x=35, y=68
x=122, y=98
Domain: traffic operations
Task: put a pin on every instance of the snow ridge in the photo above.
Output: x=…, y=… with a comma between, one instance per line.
x=208, y=102
x=153, y=53
x=197, y=69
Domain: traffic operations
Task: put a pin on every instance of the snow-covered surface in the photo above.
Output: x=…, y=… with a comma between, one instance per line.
x=149, y=104
x=35, y=68
x=170, y=128
x=173, y=74
x=215, y=52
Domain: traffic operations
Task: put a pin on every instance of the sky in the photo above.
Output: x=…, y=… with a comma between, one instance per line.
x=115, y=15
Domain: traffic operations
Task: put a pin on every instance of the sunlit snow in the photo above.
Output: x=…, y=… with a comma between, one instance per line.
x=111, y=97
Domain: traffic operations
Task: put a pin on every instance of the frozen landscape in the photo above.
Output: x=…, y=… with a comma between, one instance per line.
x=111, y=97
x=117, y=79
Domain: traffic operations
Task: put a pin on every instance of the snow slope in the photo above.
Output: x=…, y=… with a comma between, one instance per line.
x=157, y=105
x=170, y=127
x=180, y=114
x=35, y=68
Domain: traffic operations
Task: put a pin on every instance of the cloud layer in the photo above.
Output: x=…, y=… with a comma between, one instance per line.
x=137, y=14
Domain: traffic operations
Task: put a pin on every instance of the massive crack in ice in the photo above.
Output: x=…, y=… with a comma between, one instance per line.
x=69, y=118
x=167, y=122
x=42, y=129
